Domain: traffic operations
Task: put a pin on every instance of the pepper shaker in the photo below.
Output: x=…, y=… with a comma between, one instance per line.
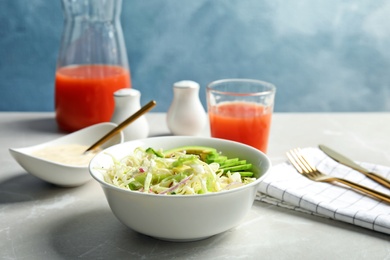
x=127, y=102
x=186, y=115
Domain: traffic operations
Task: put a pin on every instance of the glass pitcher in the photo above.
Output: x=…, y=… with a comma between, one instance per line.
x=92, y=63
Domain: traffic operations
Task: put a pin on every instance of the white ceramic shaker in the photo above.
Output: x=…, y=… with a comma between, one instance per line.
x=186, y=115
x=127, y=102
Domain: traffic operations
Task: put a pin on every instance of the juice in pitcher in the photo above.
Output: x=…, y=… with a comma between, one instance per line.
x=84, y=94
x=92, y=63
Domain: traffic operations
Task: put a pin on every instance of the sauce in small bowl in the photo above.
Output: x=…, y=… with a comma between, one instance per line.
x=62, y=161
x=69, y=154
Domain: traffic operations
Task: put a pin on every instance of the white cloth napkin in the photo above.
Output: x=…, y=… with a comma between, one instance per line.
x=285, y=187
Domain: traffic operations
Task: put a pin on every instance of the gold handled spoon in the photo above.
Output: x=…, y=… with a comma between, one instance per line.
x=122, y=125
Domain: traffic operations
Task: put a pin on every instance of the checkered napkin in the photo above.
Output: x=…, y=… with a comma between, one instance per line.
x=285, y=187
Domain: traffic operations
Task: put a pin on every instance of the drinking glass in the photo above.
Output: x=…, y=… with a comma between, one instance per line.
x=241, y=110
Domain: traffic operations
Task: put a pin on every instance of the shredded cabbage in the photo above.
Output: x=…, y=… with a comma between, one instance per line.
x=180, y=174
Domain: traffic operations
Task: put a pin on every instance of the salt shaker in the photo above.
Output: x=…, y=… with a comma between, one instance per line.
x=186, y=115
x=127, y=102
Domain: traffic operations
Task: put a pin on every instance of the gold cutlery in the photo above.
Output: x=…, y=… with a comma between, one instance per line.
x=348, y=162
x=306, y=169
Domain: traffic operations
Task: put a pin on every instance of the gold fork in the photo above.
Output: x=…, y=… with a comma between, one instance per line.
x=306, y=169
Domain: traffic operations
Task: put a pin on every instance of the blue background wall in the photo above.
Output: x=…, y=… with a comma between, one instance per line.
x=325, y=55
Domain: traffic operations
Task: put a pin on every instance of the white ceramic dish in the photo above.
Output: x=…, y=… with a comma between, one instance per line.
x=180, y=217
x=62, y=174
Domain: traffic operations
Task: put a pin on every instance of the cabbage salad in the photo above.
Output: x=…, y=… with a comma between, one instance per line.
x=179, y=173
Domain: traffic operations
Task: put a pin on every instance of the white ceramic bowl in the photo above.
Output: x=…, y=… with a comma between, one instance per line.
x=58, y=173
x=180, y=217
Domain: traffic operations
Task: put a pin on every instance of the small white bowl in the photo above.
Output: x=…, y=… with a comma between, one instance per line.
x=58, y=173
x=180, y=217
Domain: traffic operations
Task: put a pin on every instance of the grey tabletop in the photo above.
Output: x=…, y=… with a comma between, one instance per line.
x=42, y=221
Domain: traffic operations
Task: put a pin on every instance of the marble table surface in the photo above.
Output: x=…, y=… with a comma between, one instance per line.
x=43, y=221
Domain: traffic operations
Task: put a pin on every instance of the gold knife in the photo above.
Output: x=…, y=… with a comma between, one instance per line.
x=348, y=162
